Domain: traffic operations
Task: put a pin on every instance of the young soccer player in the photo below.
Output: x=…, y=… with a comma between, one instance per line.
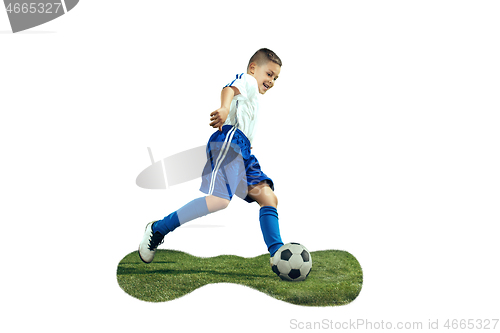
x=231, y=168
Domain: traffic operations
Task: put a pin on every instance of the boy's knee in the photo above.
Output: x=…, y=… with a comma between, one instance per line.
x=215, y=203
x=224, y=203
x=269, y=199
x=274, y=200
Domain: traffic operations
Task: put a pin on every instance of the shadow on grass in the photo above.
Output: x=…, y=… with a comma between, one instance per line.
x=135, y=271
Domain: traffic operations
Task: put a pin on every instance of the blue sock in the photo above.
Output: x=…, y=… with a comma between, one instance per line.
x=192, y=210
x=269, y=225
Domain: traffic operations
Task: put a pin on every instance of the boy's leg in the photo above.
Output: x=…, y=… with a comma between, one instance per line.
x=215, y=203
x=268, y=217
x=155, y=231
x=193, y=210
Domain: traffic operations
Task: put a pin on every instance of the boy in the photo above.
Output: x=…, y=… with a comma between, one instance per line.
x=230, y=168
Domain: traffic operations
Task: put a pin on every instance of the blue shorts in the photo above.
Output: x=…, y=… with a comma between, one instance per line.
x=230, y=167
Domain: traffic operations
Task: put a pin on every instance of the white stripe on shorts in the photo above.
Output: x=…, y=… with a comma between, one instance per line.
x=225, y=148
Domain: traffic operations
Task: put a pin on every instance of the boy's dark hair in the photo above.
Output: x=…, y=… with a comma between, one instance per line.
x=262, y=56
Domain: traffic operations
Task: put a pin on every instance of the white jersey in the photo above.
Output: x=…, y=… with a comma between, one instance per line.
x=244, y=106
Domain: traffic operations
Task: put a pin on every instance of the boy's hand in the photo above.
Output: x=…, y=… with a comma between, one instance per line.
x=218, y=117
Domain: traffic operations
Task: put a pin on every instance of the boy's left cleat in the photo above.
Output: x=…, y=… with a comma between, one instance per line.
x=272, y=255
x=149, y=243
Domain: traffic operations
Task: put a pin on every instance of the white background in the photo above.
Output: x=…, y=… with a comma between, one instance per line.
x=381, y=134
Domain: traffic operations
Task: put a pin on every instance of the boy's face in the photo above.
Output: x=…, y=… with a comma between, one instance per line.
x=265, y=75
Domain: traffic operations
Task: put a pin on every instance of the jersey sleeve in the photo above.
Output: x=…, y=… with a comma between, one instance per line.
x=247, y=86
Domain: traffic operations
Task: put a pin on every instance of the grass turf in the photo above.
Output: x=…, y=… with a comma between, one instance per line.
x=335, y=279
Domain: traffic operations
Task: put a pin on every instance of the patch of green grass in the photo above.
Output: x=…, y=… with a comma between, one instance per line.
x=335, y=279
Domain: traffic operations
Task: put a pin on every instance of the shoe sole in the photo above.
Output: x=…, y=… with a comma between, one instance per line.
x=144, y=261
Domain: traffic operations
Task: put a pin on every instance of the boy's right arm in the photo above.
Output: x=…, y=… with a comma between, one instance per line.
x=219, y=116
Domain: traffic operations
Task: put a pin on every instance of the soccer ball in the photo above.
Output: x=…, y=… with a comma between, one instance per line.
x=292, y=262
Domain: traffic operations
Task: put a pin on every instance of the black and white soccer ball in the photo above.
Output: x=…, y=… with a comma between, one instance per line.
x=292, y=262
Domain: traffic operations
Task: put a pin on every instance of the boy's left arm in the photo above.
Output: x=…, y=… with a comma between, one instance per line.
x=219, y=116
